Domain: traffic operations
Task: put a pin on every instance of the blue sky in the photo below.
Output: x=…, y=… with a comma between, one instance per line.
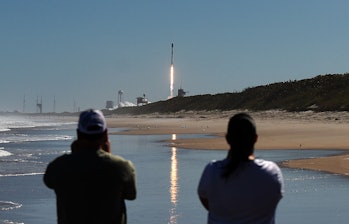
x=83, y=52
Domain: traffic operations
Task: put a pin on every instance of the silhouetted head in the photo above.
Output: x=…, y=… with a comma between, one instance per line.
x=242, y=134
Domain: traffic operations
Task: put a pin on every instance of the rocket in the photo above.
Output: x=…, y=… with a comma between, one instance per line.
x=171, y=73
x=171, y=53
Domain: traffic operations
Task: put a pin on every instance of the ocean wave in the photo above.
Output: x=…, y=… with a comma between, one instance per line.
x=18, y=122
x=9, y=222
x=8, y=205
x=28, y=158
x=26, y=138
x=20, y=175
x=4, y=153
x=48, y=138
x=4, y=141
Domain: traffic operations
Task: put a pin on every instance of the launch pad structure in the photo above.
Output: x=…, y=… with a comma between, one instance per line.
x=142, y=101
x=181, y=92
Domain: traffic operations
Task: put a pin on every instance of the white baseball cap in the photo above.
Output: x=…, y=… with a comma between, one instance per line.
x=92, y=122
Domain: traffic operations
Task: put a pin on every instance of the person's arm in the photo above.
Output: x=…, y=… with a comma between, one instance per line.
x=48, y=176
x=52, y=173
x=130, y=191
x=203, y=187
x=204, y=202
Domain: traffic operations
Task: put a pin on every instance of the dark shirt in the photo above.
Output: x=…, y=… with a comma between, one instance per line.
x=91, y=186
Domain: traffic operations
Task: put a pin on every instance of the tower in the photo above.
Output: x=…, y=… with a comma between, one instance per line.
x=39, y=105
x=120, y=92
x=54, y=104
x=24, y=104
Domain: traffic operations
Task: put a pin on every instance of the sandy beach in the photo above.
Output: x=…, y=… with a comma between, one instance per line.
x=277, y=130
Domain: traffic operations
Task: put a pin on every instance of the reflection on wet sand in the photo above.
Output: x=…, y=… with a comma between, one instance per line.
x=173, y=184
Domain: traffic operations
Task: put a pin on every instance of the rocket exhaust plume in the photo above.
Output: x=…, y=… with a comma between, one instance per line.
x=171, y=73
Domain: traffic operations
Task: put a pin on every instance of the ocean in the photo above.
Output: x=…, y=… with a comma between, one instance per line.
x=167, y=177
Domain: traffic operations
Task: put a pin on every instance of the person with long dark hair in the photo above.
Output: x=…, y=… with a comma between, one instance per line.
x=240, y=188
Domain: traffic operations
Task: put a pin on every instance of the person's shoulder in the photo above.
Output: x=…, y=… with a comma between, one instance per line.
x=122, y=164
x=110, y=156
x=61, y=159
x=58, y=163
x=262, y=162
x=216, y=164
x=118, y=160
x=267, y=165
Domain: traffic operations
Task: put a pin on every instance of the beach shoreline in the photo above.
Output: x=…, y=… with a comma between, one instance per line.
x=277, y=130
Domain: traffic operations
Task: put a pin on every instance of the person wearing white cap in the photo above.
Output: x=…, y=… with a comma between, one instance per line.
x=90, y=183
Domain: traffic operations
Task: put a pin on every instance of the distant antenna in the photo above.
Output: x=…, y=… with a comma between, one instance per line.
x=54, y=104
x=38, y=105
x=74, y=106
x=24, y=103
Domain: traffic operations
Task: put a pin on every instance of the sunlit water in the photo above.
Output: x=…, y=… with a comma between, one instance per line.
x=167, y=178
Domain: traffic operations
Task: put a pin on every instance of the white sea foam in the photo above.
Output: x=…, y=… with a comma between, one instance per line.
x=9, y=222
x=4, y=153
x=12, y=122
x=4, y=141
x=8, y=205
x=15, y=129
x=14, y=138
x=20, y=174
x=42, y=138
x=7, y=123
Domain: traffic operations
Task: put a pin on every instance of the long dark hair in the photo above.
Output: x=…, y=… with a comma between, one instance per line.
x=241, y=136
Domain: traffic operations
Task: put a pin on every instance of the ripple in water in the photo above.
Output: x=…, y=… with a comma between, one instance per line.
x=10, y=222
x=8, y=205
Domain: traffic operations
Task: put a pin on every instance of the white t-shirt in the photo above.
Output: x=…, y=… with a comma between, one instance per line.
x=249, y=195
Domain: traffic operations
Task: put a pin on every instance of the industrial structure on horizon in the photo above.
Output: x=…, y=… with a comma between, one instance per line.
x=142, y=100
x=38, y=105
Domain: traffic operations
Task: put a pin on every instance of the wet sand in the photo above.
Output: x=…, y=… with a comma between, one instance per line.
x=277, y=130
